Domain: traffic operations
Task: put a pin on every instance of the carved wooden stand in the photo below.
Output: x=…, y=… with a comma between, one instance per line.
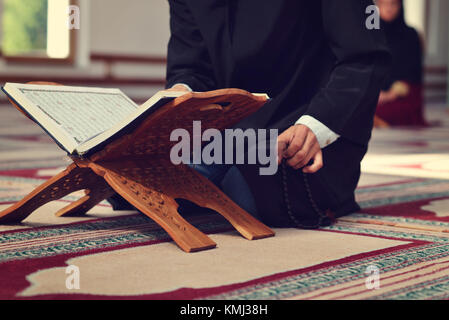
x=137, y=166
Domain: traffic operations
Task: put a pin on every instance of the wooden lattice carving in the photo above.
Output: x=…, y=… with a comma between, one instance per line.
x=138, y=167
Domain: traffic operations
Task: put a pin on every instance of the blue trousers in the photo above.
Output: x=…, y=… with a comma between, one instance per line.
x=229, y=179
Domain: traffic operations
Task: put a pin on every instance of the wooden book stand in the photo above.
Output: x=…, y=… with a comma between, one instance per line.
x=137, y=166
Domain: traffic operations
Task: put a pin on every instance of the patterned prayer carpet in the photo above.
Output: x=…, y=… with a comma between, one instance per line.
x=402, y=231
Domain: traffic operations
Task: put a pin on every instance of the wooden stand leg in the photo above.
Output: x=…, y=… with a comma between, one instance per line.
x=70, y=180
x=93, y=197
x=210, y=196
x=184, y=182
x=163, y=210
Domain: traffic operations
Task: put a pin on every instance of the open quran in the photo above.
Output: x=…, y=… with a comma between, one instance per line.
x=120, y=147
x=82, y=119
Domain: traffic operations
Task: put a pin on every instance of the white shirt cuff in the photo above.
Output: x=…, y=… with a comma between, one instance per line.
x=324, y=135
x=185, y=85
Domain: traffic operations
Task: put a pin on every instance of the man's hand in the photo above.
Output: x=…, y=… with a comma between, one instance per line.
x=298, y=144
x=178, y=87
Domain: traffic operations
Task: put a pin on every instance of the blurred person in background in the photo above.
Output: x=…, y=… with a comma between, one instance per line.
x=401, y=99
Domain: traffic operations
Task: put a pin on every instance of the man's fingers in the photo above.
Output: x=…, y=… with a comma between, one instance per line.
x=298, y=145
x=178, y=87
x=304, y=162
x=303, y=156
x=316, y=165
x=297, y=139
x=297, y=159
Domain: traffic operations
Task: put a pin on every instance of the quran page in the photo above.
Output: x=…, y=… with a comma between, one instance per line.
x=82, y=114
x=78, y=113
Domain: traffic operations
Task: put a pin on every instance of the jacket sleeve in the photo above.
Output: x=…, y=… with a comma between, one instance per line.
x=188, y=60
x=347, y=102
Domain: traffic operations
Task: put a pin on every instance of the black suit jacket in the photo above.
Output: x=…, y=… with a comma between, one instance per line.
x=313, y=57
